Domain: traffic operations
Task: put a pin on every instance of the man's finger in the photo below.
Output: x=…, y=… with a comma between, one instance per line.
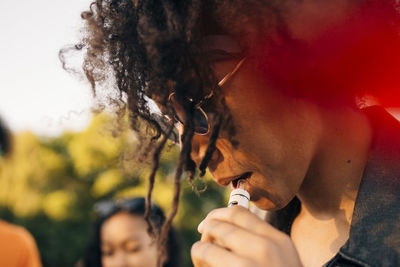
x=243, y=218
x=210, y=255
x=232, y=238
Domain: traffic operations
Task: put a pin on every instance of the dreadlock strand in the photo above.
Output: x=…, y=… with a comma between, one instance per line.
x=211, y=146
x=156, y=163
x=163, y=239
x=187, y=136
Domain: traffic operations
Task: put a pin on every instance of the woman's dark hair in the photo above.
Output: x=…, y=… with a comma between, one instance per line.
x=149, y=48
x=134, y=206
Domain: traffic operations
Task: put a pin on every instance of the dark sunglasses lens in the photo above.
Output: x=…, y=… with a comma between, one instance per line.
x=200, y=122
x=200, y=118
x=164, y=124
x=179, y=111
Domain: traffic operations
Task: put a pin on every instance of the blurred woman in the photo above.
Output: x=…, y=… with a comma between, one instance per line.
x=121, y=237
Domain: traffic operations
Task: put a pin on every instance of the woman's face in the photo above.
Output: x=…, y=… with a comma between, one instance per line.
x=126, y=243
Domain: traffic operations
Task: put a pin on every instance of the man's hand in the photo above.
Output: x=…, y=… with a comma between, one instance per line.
x=236, y=237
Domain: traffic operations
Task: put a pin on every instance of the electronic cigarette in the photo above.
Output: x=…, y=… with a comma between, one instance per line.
x=240, y=196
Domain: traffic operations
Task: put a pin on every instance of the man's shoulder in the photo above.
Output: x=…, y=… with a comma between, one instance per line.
x=375, y=228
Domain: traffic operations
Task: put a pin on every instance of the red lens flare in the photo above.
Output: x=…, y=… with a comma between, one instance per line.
x=360, y=56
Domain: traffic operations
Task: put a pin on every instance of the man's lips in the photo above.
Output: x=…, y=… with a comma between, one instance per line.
x=227, y=180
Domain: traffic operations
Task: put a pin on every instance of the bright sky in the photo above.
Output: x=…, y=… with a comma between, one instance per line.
x=35, y=92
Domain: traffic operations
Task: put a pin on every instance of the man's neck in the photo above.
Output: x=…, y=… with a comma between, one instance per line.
x=331, y=184
x=329, y=191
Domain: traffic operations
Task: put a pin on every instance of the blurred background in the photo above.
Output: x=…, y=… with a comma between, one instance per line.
x=49, y=186
x=63, y=158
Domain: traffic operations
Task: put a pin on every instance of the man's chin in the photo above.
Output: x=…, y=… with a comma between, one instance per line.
x=271, y=205
x=266, y=204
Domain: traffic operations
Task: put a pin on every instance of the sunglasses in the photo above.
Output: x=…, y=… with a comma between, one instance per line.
x=200, y=118
x=137, y=205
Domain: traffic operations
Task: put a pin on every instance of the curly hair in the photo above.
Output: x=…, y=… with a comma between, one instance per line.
x=150, y=48
x=153, y=47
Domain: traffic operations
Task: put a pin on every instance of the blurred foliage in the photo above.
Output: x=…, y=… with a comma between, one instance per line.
x=50, y=185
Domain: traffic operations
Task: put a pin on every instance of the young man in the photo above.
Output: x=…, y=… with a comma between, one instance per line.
x=269, y=92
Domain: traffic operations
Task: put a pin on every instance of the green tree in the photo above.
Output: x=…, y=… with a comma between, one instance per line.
x=49, y=186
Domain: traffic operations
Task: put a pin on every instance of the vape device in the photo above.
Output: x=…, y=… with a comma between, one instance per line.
x=239, y=195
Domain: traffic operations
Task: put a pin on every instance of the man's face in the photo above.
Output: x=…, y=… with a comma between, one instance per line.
x=275, y=135
x=278, y=133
